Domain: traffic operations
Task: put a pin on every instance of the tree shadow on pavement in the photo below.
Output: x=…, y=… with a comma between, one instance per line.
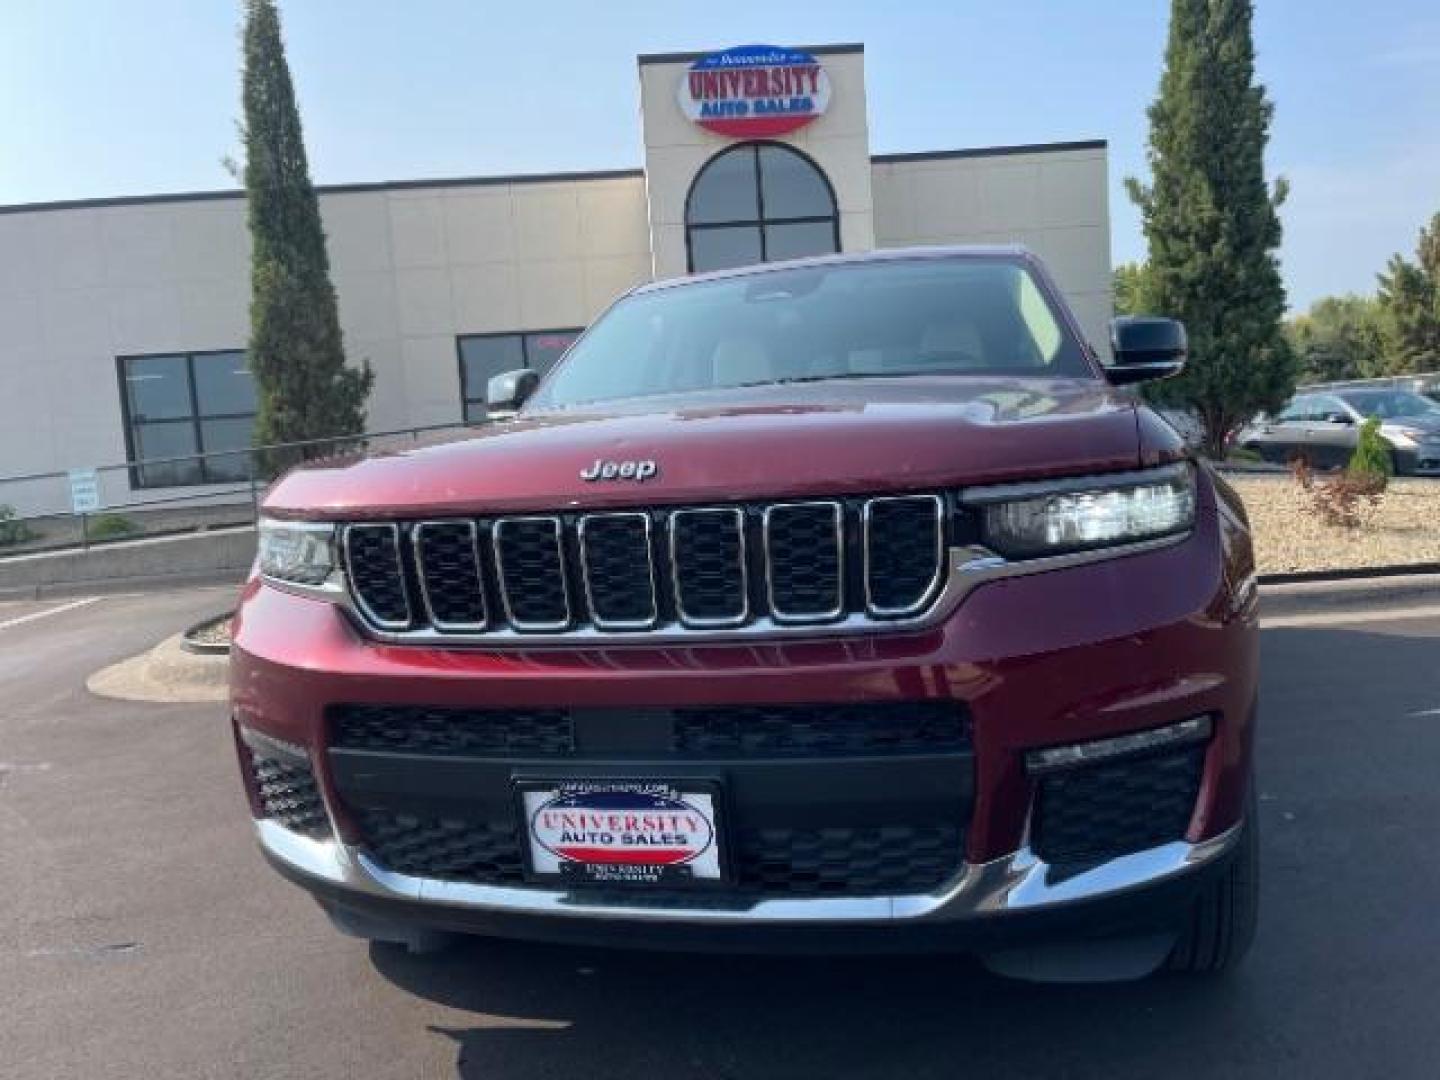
x=1337, y=984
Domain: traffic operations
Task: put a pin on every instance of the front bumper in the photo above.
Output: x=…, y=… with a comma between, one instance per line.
x=1037, y=661
x=985, y=903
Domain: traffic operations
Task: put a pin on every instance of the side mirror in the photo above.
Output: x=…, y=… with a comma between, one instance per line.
x=1338, y=418
x=1146, y=348
x=506, y=392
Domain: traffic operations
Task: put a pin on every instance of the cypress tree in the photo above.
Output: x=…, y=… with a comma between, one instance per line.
x=1211, y=221
x=305, y=390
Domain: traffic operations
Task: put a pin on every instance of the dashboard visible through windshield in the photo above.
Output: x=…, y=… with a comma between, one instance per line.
x=827, y=321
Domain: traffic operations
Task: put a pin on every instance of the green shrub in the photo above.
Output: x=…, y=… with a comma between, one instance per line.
x=111, y=526
x=1372, y=453
x=12, y=531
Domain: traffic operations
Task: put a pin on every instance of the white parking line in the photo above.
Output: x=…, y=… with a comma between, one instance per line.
x=71, y=606
x=1350, y=618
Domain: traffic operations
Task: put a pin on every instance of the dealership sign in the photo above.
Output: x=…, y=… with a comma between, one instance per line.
x=754, y=91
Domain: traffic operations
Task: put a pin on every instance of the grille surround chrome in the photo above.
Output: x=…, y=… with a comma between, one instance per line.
x=601, y=622
x=359, y=600
x=558, y=526
x=706, y=622
x=417, y=542
x=880, y=611
x=805, y=618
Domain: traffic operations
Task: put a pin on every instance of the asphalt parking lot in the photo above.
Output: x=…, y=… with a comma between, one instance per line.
x=141, y=935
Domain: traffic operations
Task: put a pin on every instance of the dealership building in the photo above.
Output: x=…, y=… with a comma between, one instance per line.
x=123, y=321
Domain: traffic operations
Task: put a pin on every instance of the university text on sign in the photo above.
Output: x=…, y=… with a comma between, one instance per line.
x=755, y=91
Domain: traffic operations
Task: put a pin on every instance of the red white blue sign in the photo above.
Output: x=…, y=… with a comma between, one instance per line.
x=754, y=91
x=622, y=831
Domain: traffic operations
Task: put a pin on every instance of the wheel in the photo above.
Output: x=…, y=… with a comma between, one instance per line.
x=1222, y=924
x=1397, y=465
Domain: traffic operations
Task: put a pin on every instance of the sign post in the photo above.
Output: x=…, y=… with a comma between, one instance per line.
x=84, y=499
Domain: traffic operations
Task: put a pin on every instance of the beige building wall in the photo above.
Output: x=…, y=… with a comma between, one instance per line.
x=1054, y=200
x=676, y=149
x=414, y=267
x=418, y=264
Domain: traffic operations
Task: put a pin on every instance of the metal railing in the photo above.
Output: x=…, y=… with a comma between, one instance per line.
x=36, y=513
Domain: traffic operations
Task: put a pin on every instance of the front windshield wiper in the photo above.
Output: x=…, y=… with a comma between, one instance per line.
x=788, y=380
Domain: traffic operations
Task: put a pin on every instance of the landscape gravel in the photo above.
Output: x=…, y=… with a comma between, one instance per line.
x=1403, y=529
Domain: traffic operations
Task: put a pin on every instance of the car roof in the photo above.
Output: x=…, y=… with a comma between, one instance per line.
x=886, y=255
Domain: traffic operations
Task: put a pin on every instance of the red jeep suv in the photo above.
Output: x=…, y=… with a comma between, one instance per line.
x=840, y=603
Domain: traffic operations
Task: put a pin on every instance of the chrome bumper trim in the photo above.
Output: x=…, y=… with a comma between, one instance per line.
x=1016, y=883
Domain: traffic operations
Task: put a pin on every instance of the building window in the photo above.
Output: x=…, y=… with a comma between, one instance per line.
x=483, y=356
x=181, y=404
x=759, y=202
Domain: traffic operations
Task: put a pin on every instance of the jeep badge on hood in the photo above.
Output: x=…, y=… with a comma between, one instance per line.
x=639, y=471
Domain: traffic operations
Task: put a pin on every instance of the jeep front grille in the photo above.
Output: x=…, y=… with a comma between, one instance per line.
x=707, y=568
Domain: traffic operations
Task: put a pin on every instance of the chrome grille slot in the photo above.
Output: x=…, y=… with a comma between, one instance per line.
x=530, y=565
x=734, y=571
x=447, y=562
x=619, y=570
x=707, y=557
x=805, y=561
x=377, y=575
x=904, y=553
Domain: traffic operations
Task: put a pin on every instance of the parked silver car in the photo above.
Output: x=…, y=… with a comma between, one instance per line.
x=1323, y=428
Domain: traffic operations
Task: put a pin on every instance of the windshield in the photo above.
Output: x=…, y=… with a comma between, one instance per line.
x=917, y=317
x=1390, y=404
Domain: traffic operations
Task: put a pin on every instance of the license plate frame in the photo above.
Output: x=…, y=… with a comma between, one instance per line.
x=580, y=860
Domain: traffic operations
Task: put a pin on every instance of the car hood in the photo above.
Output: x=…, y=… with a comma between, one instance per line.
x=1429, y=422
x=775, y=441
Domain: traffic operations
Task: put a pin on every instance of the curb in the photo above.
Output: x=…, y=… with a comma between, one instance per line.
x=108, y=586
x=1363, y=573
x=191, y=644
x=1353, y=592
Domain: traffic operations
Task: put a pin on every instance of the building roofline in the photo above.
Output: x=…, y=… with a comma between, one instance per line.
x=991, y=151
x=331, y=189
x=521, y=178
x=691, y=57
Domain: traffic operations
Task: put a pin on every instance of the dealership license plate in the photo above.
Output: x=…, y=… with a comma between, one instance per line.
x=622, y=832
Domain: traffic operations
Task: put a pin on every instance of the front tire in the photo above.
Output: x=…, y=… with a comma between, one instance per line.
x=1222, y=924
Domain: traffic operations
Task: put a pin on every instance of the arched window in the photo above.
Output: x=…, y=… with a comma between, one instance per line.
x=759, y=202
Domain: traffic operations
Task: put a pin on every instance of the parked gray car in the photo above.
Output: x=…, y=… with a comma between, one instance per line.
x=1323, y=428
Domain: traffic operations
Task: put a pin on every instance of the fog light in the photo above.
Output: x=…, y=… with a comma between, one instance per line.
x=1053, y=759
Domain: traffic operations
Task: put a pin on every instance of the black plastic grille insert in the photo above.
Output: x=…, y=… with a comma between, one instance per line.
x=289, y=795
x=420, y=730
x=903, y=545
x=530, y=557
x=1097, y=812
x=709, y=553
x=619, y=574
x=743, y=731
x=654, y=569
x=804, y=545
x=449, y=565
x=376, y=573
x=838, y=861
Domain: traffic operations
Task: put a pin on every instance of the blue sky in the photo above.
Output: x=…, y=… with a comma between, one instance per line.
x=109, y=98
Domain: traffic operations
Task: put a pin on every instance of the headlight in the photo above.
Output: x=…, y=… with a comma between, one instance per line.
x=1028, y=520
x=298, y=551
